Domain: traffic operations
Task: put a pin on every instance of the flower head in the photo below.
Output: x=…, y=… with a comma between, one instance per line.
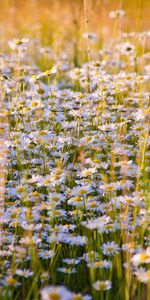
x=19, y=44
x=55, y=293
x=102, y=285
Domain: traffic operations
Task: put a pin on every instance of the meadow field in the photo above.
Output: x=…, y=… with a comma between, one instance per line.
x=74, y=150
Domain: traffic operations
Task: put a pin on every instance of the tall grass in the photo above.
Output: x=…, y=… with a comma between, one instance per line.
x=74, y=151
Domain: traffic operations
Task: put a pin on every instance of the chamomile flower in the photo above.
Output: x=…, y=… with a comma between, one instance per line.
x=126, y=49
x=100, y=264
x=102, y=285
x=71, y=261
x=67, y=270
x=19, y=44
x=81, y=190
x=110, y=248
x=81, y=297
x=143, y=275
x=53, y=293
x=11, y=281
x=141, y=258
x=24, y=273
x=117, y=14
x=46, y=254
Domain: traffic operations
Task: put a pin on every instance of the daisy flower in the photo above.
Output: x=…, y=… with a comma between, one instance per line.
x=102, y=285
x=110, y=248
x=141, y=258
x=19, y=44
x=55, y=292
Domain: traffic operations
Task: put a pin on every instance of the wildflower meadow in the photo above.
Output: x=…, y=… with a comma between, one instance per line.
x=75, y=150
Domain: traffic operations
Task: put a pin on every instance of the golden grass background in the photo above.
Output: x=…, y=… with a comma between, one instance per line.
x=55, y=22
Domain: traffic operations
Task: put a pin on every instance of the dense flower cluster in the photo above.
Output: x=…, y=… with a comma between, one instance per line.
x=76, y=212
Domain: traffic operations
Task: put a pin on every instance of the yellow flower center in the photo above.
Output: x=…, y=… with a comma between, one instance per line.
x=46, y=181
x=20, y=189
x=98, y=264
x=148, y=274
x=82, y=192
x=77, y=199
x=34, y=104
x=54, y=296
x=57, y=213
x=55, y=198
x=31, y=146
x=77, y=297
x=108, y=226
x=109, y=188
x=11, y=281
x=93, y=204
x=87, y=173
x=19, y=42
x=43, y=206
x=109, y=248
x=41, y=132
x=102, y=285
x=58, y=171
x=144, y=257
x=45, y=254
x=35, y=194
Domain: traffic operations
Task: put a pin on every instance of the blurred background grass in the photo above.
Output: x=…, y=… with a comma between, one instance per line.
x=60, y=24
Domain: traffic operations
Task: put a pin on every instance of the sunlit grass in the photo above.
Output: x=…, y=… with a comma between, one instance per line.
x=74, y=151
